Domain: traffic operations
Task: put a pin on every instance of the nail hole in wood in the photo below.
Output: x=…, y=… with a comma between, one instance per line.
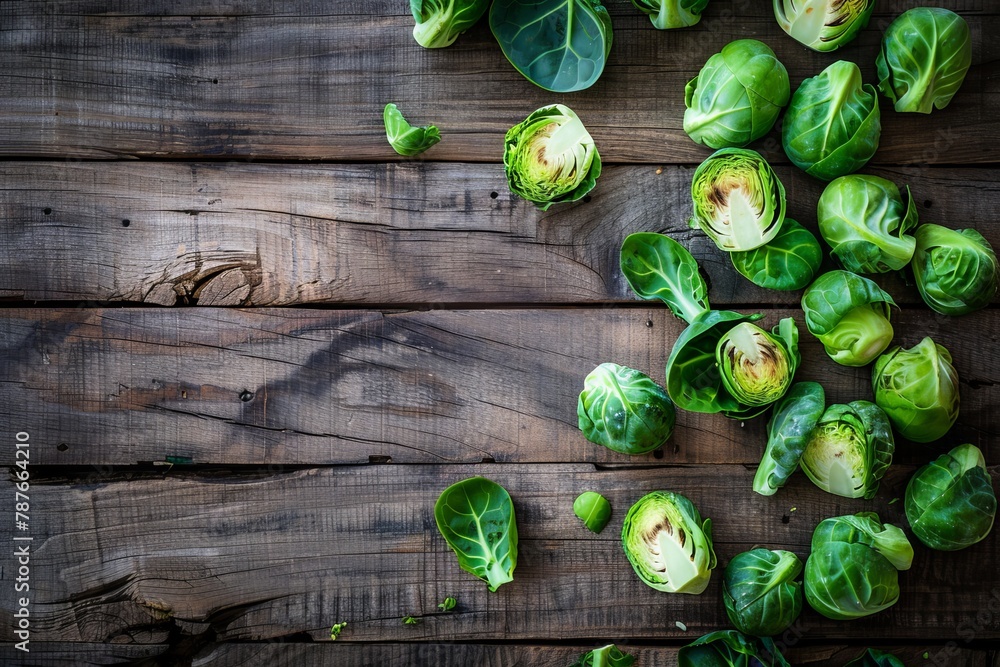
x=928, y=203
x=62, y=446
x=246, y=395
x=658, y=453
x=785, y=519
x=649, y=323
x=494, y=195
x=46, y=211
x=215, y=81
x=126, y=222
x=586, y=199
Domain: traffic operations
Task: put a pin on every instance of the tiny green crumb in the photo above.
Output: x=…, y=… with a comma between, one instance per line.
x=894, y=500
x=681, y=626
x=926, y=654
x=336, y=630
x=410, y=620
x=793, y=509
x=448, y=604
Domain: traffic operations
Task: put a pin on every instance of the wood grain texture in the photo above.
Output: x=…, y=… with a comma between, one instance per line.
x=307, y=81
x=268, y=556
x=276, y=386
x=77, y=654
x=264, y=235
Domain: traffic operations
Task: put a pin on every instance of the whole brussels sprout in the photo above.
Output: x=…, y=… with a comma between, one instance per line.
x=667, y=14
x=668, y=544
x=852, y=569
x=918, y=389
x=737, y=96
x=832, y=126
x=925, y=55
x=758, y=367
x=849, y=315
x=787, y=262
x=738, y=200
x=550, y=157
x=956, y=270
x=624, y=410
x=823, y=25
x=875, y=658
x=759, y=590
x=849, y=450
x=865, y=221
x=788, y=432
x=729, y=648
x=950, y=502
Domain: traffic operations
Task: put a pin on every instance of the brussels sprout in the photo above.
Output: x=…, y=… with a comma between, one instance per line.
x=737, y=96
x=832, y=125
x=956, y=270
x=439, y=22
x=850, y=450
x=729, y=648
x=791, y=426
x=950, y=502
x=403, y=137
x=668, y=544
x=624, y=410
x=788, y=262
x=738, y=200
x=823, y=25
x=918, y=389
x=852, y=570
x=550, y=158
x=558, y=45
x=666, y=14
x=925, y=55
x=606, y=656
x=593, y=509
x=759, y=590
x=758, y=367
x=849, y=315
x=875, y=658
x=865, y=221
x=658, y=267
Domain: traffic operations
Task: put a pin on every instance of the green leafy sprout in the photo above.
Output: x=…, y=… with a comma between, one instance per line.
x=404, y=138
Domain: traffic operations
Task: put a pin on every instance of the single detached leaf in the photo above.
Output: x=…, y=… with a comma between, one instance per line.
x=403, y=137
x=658, y=267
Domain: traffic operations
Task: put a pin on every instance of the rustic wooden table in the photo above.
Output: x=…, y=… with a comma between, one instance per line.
x=350, y=332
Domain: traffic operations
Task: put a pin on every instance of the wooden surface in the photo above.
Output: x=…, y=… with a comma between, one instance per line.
x=349, y=332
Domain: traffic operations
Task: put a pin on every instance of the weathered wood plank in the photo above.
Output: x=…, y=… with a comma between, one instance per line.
x=277, y=386
x=267, y=235
x=306, y=81
x=66, y=654
x=256, y=558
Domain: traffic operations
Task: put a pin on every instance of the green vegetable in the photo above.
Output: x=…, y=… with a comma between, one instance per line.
x=950, y=502
x=403, y=137
x=788, y=262
x=593, y=509
x=865, y=221
x=410, y=620
x=849, y=315
x=956, y=270
x=758, y=367
x=849, y=450
x=439, y=22
x=832, y=125
x=336, y=630
x=624, y=410
x=823, y=25
x=925, y=55
x=738, y=200
x=606, y=656
x=658, y=267
x=791, y=426
x=759, y=590
x=876, y=658
x=558, y=45
x=476, y=518
x=852, y=569
x=668, y=544
x=729, y=648
x=672, y=13
x=918, y=389
x=448, y=604
x=550, y=158
x=737, y=96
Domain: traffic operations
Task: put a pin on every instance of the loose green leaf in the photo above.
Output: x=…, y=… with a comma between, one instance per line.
x=476, y=519
x=823, y=25
x=788, y=432
x=956, y=271
x=593, y=509
x=448, y=604
x=849, y=315
x=787, y=262
x=440, y=22
x=337, y=629
x=403, y=137
x=729, y=648
x=668, y=14
x=410, y=620
x=760, y=591
x=624, y=410
x=606, y=656
x=658, y=267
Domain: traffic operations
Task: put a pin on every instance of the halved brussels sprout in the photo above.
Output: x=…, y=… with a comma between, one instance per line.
x=737, y=96
x=832, y=125
x=823, y=25
x=925, y=55
x=852, y=569
x=624, y=410
x=956, y=270
x=875, y=658
x=758, y=367
x=849, y=315
x=760, y=591
x=918, y=389
x=550, y=158
x=788, y=262
x=667, y=14
x=729, y=648
x=788, y=432
x=738, y=200
x=865, y=221
x=440, y=22
x=950, y=502
x=849, y=450
x=668, y=544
